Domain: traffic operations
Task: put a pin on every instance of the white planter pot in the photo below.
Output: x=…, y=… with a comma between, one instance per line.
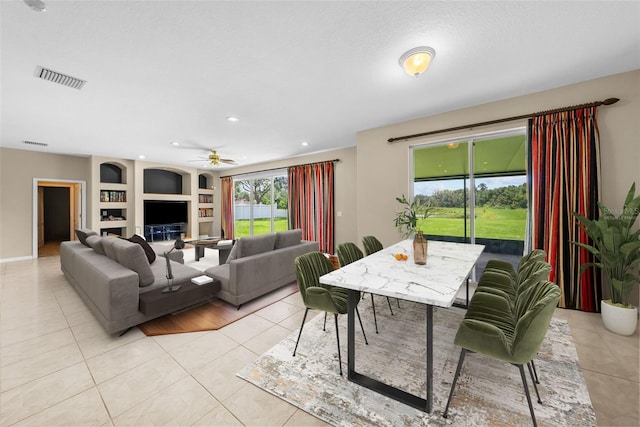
x=621, y=321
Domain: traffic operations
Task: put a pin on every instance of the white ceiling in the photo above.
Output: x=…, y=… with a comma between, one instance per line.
x=292, y=71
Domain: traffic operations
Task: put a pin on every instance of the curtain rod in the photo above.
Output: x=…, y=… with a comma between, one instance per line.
x=607, y=101
x=284, y=167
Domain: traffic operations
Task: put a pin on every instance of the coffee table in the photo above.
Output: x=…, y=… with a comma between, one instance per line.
x=200, y=244
x=157, y=302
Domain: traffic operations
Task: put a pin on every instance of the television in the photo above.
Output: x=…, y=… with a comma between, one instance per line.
x=158, y=212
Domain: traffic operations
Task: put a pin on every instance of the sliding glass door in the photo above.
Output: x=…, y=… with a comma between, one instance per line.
x=476, y=190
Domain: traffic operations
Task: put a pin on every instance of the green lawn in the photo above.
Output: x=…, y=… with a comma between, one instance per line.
x=491, y=223
x=260, y=226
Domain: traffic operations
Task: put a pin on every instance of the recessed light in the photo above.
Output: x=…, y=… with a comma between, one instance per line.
x=232, y=119
x=305, y=143
x=141, y=156
x=175, y=143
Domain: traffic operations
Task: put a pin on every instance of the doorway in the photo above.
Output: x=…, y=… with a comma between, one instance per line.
x=58, y=211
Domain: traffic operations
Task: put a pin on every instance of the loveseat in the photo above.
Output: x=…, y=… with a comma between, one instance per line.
x=111, y=273
x=258, y=265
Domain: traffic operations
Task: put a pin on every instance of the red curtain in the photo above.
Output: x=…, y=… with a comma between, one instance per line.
x=226, y=217
x=311, y=202
x=564, y=178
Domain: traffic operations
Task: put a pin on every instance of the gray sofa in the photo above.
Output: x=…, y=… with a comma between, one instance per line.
x=110, y=274
x=258, y=265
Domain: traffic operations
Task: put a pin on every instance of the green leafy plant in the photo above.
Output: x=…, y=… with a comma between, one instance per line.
x=407, y=219
x=615, y=247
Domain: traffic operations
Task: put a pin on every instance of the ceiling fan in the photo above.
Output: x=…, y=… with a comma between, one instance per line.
x=215, y=159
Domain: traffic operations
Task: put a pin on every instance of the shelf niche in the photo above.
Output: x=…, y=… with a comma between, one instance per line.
x=160, y=181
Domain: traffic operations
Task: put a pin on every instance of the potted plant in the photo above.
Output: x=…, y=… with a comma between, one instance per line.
x=616, y=249
x=407, y=222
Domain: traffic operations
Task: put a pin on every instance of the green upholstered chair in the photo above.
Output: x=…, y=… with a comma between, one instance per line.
x=498, y=265
x=513, y=334
x=348, y=253
x=372, y=245
x=315, y=295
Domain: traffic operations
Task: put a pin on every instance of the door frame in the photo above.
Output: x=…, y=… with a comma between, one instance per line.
x=80, y=211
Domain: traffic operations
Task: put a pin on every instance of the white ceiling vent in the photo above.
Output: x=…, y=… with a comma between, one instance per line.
x=39, y=144
x=56, y=77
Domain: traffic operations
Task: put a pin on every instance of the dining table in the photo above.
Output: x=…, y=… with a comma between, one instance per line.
x=434, y=284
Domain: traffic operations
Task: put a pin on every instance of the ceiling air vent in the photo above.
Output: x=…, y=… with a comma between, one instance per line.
x=56, y=77
x=39, y=144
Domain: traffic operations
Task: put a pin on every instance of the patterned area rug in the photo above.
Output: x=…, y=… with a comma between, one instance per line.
x=488, y=392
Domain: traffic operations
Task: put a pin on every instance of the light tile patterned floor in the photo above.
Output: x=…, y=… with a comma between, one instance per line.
x=59, y=367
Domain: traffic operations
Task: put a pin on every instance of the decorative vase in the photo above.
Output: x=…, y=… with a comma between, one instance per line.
x=619, y=320
x=420, y=246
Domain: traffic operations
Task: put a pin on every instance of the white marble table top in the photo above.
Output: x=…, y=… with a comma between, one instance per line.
x=436, y=283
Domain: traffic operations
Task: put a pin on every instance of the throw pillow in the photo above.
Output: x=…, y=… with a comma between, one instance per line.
x=132, y=256
x=83, y=233
x=95, y=243
x=148, y=250
x=284, y=239
x=234, y=253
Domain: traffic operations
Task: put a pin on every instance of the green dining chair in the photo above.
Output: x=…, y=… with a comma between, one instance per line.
x=372, y=245
x=317, y=296
x=348, y=253
x=514, y=335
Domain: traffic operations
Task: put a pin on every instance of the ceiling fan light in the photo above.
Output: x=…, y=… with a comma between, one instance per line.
x=417, y=60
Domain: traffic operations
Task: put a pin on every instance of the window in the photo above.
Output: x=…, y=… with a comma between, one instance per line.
x=260, y=203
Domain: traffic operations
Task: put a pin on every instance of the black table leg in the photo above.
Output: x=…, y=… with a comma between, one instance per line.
x=429, y=357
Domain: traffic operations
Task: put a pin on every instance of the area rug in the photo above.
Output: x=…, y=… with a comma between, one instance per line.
x=213, y=315
x=489, y=393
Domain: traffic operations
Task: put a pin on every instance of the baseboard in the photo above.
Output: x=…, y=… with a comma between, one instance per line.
x=20, y=258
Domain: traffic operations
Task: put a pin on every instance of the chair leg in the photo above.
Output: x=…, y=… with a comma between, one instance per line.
x=324, y=326
x=338, y=339
x=526, y=390
x=463, y=352
x=300, y=333
x=362, y=327
x=535, y=386
x=398, y=301
x=375, y=319
x=535, y=373
x=389, y=302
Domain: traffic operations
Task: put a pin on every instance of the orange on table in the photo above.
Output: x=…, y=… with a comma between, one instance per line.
x=401, y=257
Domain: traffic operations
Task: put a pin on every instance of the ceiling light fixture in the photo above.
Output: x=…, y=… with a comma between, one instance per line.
x=174, y=143
x=305, y=143
x=37, y=5
x=417, y=60
x=232, y=119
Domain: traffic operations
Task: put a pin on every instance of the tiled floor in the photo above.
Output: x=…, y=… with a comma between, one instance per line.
x=58, y=367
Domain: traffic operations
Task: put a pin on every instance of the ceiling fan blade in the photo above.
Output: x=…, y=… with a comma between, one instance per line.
x=229, y=161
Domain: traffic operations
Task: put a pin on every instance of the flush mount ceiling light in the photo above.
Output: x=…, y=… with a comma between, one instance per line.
x=232, y=119
x=416, y=61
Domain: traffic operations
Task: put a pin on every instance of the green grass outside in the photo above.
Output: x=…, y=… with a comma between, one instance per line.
x=493, y=223
x=260, y=226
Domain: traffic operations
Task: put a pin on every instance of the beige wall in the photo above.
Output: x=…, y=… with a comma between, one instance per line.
x=384, y=169
x=18, y=168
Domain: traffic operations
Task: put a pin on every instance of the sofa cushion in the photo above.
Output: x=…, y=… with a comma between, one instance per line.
x=253, y=245
x=132, y=256
x=83, y=233
x=109, y=249
x=148, y=251
x=284, y=239
x=95, y=242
